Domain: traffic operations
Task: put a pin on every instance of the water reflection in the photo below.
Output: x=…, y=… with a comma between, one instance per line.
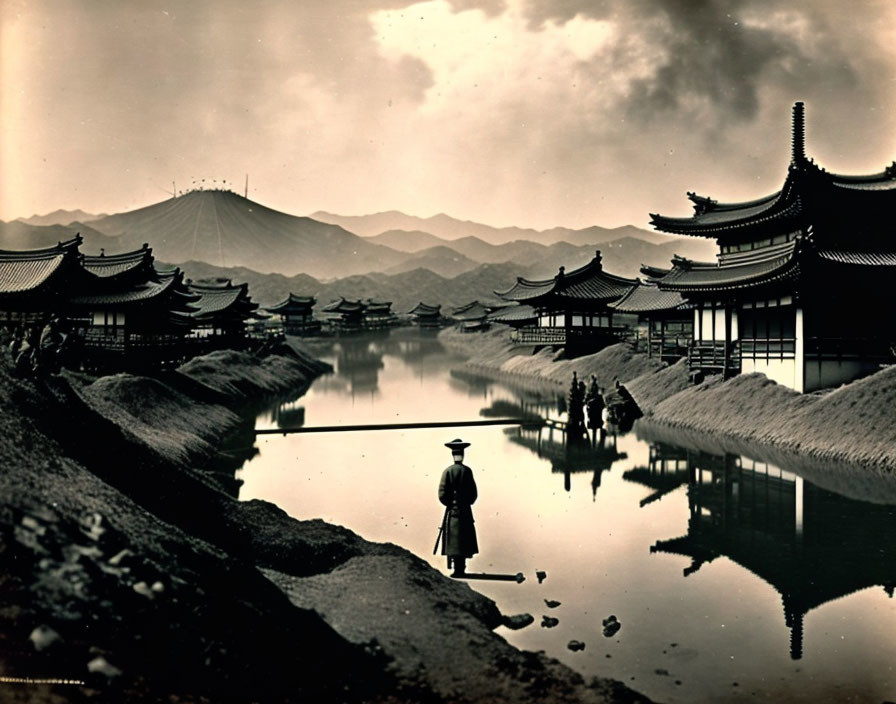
x=811, y=545
x=358, y=361
x=660, y=507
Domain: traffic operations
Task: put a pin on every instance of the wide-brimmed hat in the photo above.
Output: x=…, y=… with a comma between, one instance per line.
x=457, y=444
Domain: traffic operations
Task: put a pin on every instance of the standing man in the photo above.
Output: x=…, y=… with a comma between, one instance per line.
x=457, y=492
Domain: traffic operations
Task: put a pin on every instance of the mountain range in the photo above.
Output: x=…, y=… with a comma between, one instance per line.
x=224, y=229
x=449, y=228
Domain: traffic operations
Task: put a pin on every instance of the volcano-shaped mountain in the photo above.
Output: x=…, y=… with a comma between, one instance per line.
x=223, y=228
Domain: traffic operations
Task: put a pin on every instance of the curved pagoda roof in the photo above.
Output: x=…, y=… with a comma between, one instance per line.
x=374, y=306
x=165, y=285
x=838, y=206
x=28, y=270
x=745, y=269
x=520, y=313
x=292, y=303
x=344, y=306
x=589, y=282
x=471, y=311
x=649, y=298
x=110, y=266
x=424, y=309
x=220, y=297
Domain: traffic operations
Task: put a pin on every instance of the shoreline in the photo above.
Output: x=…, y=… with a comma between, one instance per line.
x=853, y=424
x=133, y=569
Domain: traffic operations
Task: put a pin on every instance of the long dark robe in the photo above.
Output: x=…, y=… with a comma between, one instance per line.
x=457, y=492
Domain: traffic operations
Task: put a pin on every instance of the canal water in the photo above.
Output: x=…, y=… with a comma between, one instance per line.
x=733, y=580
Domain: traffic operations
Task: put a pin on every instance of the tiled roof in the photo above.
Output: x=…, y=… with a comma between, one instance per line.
x=526, y=290
x=471, y=311
x=292, y=302
x=217, y=300
x=27, y=270
x=136, y=294
x=643, y=298
x=343, y=306
x=424, y=309
x=108, y=266
x=752, y=270
x=513, y=314
x=587, y=282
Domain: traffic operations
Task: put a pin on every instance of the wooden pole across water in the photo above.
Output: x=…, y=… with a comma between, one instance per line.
x=532, y=422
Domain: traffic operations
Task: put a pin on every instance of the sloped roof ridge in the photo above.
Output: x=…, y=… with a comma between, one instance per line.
x=43, y=252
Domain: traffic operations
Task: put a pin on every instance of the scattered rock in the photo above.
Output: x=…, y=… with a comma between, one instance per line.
x=143, y=589
x=157, y=587
x=551, y=604
x=549, y=621
x=43, y=637
x=661, y=671
x=575, y=645
x=91, y=525
x=104, y=667
x=119, y=556
x=542, y=575
x=517, y=621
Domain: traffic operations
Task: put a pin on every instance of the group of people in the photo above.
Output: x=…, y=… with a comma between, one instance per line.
x=36, y=349
x=585, y=409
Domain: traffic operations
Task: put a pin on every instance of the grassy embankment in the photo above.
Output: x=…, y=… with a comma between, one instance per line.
x=127, y=567
x=854, y=423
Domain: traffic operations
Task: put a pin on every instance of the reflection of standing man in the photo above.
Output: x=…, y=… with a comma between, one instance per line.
x=457, y=492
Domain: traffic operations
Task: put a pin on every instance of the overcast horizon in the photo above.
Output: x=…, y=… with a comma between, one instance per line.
x=535, y=114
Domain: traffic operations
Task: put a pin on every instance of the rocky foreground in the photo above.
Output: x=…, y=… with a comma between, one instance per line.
x=131, y=572
x=854, y=423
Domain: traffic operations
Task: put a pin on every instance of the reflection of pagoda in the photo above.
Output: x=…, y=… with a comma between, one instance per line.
x=811, y=545
x=359, y=362
x=667, y=469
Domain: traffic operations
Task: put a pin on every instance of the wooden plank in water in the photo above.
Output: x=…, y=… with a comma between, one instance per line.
x=398, y=426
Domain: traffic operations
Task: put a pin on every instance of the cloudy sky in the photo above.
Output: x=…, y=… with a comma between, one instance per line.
x=526, y=112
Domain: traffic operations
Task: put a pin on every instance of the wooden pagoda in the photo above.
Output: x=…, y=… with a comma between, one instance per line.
x=344, y=316
x=795, y=289
x=128, y=313
x=297, y=315
x=222, y=313
x=471, y=317
x=378, y=314
x=573, y=308
x=427, y=316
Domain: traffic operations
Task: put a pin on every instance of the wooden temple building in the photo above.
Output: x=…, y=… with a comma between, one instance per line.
x=35, y=284
x=471, y=317
x=296, y=314
x=222, y=312
x=346, y=316
x=124, y=311
x=811, y=545
x=427, y=316
x=128, y=313
x=802, y=277
x=665, y=319
x=573, y=308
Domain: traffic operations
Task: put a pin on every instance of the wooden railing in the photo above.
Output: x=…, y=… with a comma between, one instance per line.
x=767, y=348
x=714, y=356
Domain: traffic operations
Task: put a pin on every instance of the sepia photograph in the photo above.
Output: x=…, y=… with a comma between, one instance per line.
x=448, y=351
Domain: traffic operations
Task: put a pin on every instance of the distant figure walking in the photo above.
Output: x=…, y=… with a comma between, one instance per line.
x=457, y=492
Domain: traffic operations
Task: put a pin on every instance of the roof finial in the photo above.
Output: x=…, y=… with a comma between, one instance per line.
x=561, y=272
x=598, y=259
x=798, y=153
